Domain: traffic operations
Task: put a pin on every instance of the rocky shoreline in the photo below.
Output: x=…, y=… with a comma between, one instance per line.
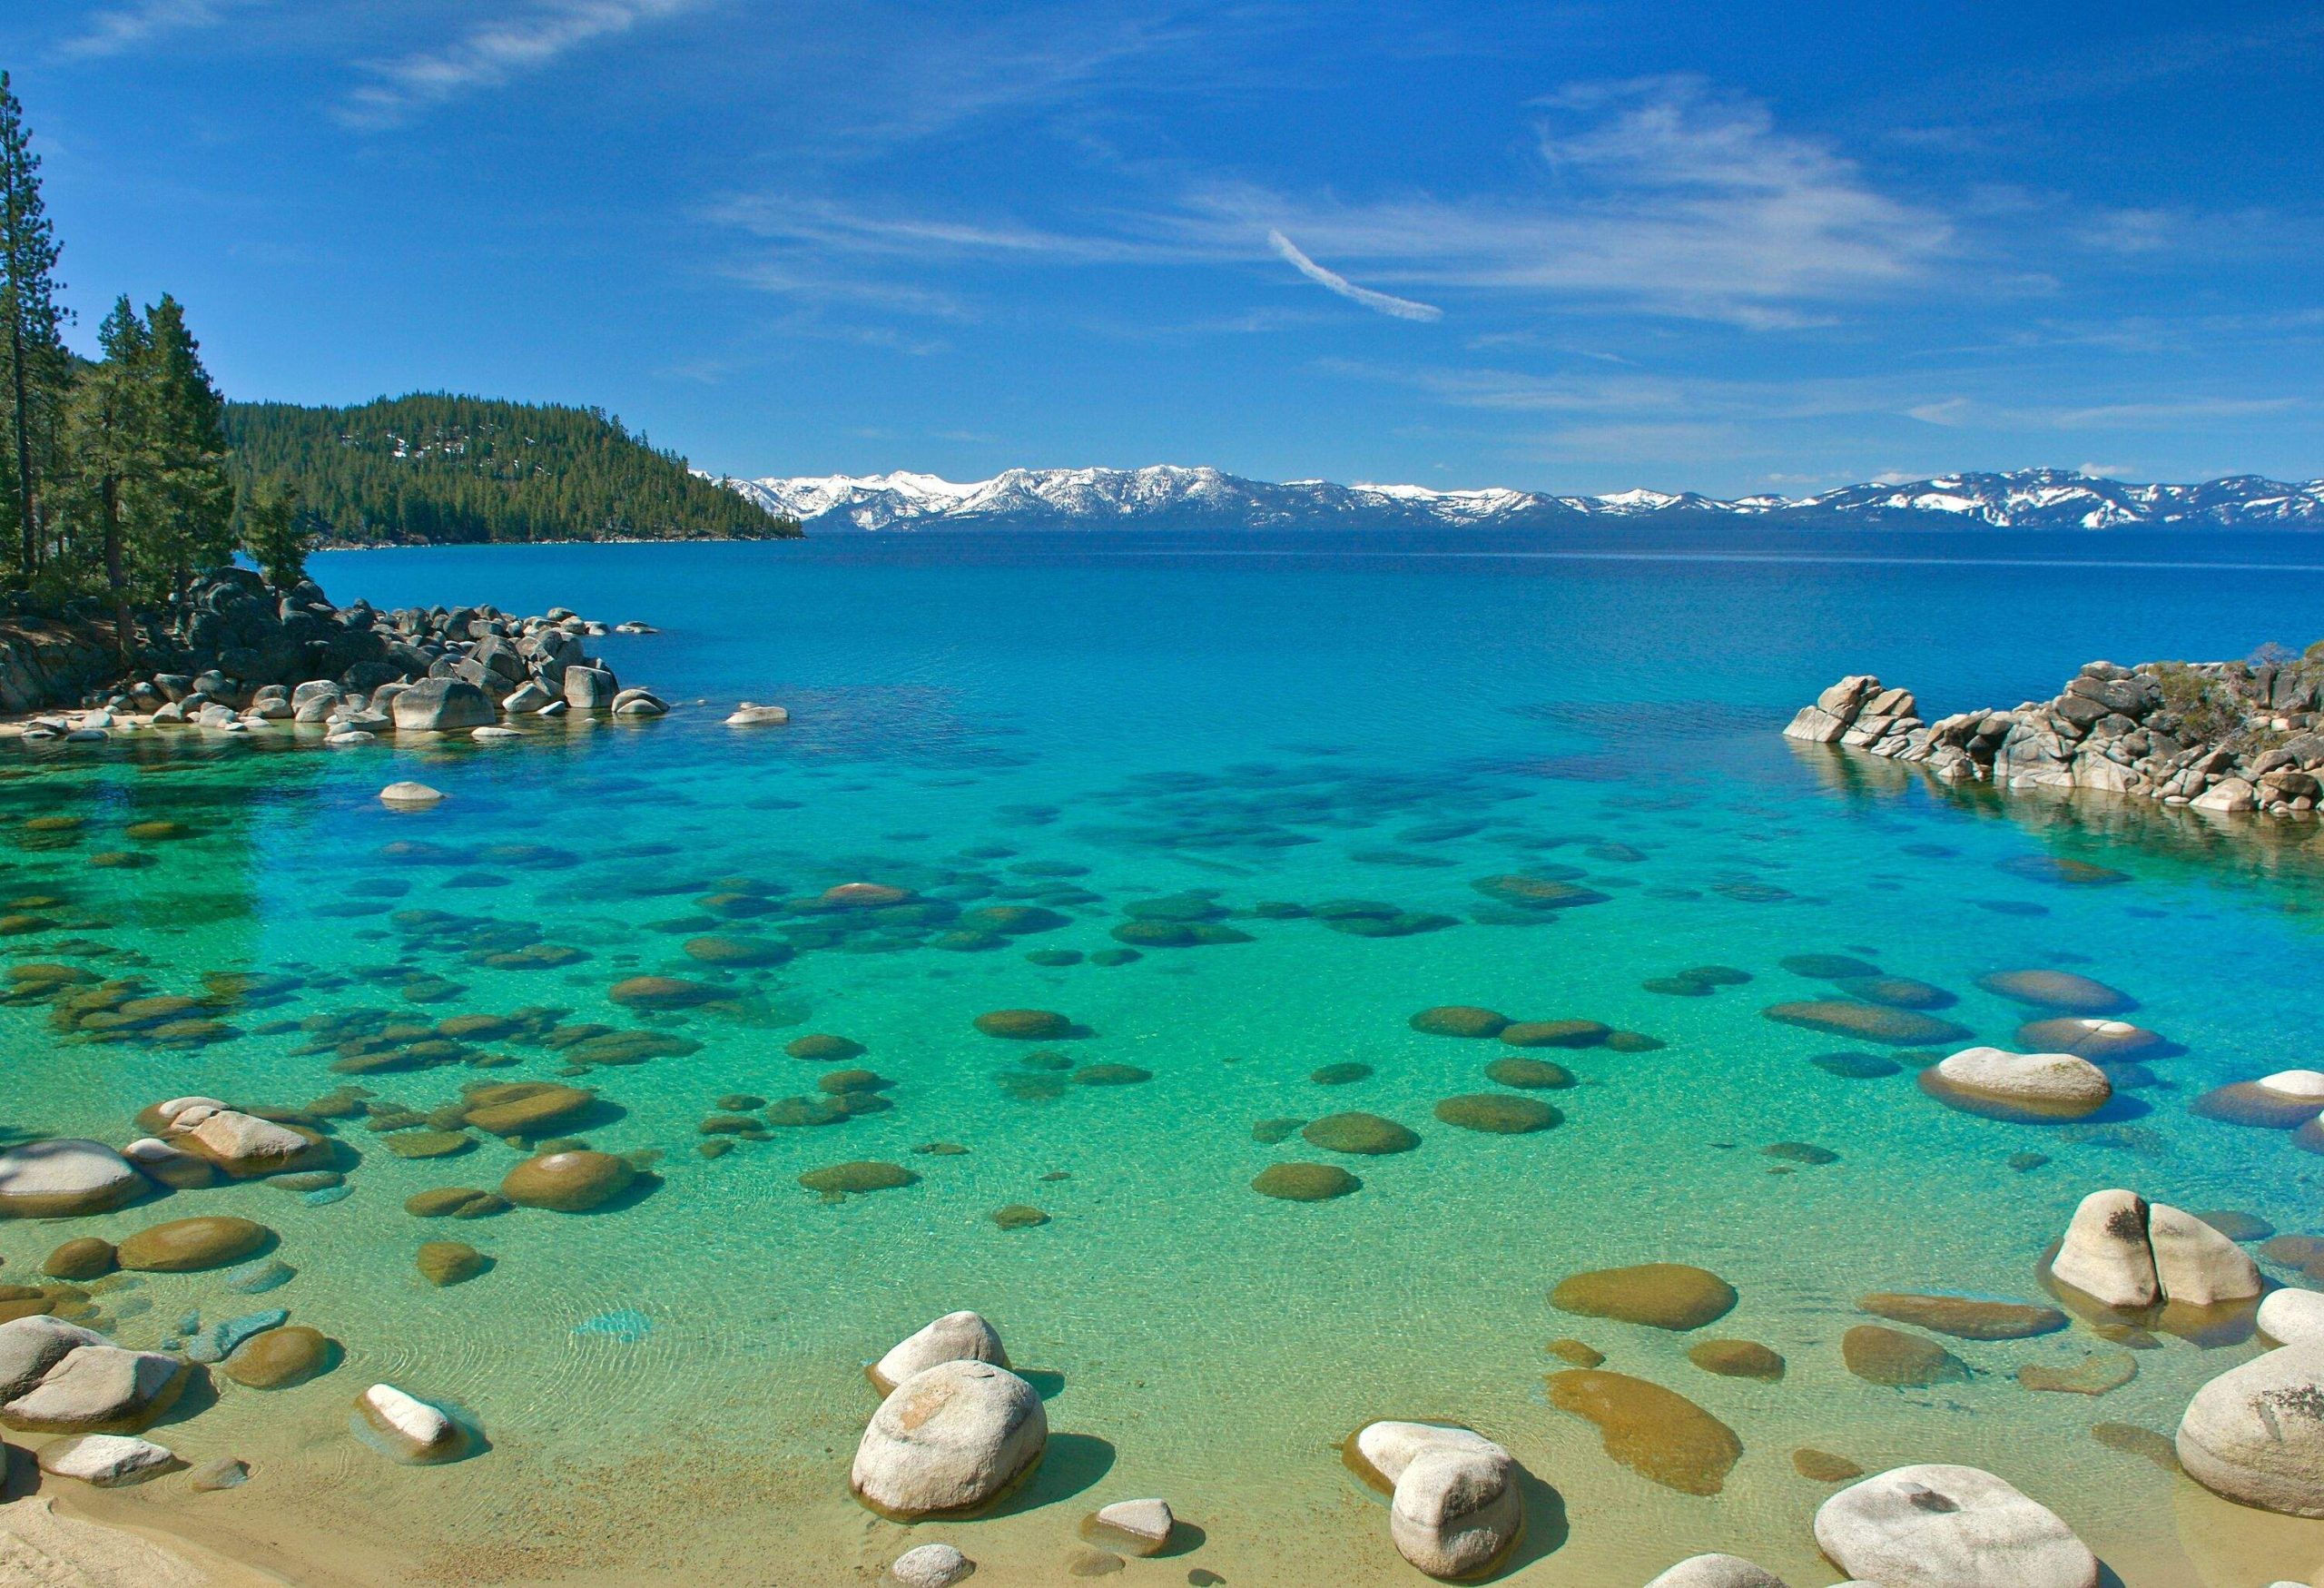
x=234, y=656
x=2224, y=737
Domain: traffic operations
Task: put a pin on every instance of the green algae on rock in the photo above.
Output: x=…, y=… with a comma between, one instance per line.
x=1020, y=1216
x=1345, y=1073
x=1967, y=1318
x=279, y=1357
x=823, y=1048
x=1304, y=1182
x=444, y=1263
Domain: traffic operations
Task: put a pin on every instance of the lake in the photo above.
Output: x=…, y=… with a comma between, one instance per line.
x=1238, y=807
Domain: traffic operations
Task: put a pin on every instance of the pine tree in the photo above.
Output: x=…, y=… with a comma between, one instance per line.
x=187, y=526
x=277, y=530
x=110, y=442
x=34, y=368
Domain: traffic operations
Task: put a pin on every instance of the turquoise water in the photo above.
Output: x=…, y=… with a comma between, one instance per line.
x=1082, y=724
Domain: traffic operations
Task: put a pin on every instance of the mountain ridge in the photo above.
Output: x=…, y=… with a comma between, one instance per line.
x=2025, y=498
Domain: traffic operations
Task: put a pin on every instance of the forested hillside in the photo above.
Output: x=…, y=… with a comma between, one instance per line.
x=437, y=467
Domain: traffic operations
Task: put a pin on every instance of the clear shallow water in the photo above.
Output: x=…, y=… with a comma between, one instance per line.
x=1081, y=724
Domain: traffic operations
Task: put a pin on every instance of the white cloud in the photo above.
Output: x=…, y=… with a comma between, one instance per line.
x=120, y=29
x=1659, y=194
x=491, y=52
x=1332, y=281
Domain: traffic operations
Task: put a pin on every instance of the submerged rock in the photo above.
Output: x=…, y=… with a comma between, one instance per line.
x=1367, y=1135
x=948, y=1440
x=1950, y=1527
x=931, y=1565
x=1459, y=1019
x=187, y=1244
x=854, y=1178
x=1737, y=1359
x=1025, y=1025
x=1657, y=1433
x=1664, y=1295
x=1304, y=1182
x=1896, y=1360
x=568, y=1182
x=2060, y=990
x=1497, y=1113
x=1967, y=1317
x=278, y=1359
x=1870, y=1022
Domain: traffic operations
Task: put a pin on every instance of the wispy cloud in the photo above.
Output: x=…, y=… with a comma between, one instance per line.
x=1661, y=194
x=1332, y=281
x=117, y=30
x=2151, y=413
x=492, y=53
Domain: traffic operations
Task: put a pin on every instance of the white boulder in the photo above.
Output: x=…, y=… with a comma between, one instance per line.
x=408, y=796
x=29, y=1347
x=1950, y=1527
x=105, y=1460
x=1134, y=1527
x=2289, y=1317
x=64, y=1178
x=1716, y=1572
x=2105, y=1254
x=1388, y=1447
x=747, y=715
x=412, y=1431
x=2195, y=1263
x=1456, y=1510
x=957, y=1337
x=93, y=1388
x=949, y=1438
x=244, y=1145
x=2050, y=1085
x=2256, y=1433
x=931, y=1565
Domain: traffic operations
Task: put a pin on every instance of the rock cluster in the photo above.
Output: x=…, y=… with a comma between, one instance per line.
x=2221, y=736
x=2128, y=1253
x=234, y=655
x=956, y=1430
x=1455, y=1506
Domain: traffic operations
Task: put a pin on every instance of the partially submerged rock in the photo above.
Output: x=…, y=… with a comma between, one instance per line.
x=1950, y=1527
x=947, y=1441
x=408, y=1428
x=1999, y=1084
x=1716, y=1572
x=106, y=1460
x=957, y=1337
x=2126, y=1253
x=64, y=1178
x=188, y=1245
x=2256, y=1433
x=1455, y=1507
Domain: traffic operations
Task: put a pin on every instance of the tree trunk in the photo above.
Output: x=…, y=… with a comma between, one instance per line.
x=115, y=576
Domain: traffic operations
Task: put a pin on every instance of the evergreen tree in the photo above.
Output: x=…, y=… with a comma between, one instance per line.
x=115, y=463
x=187, y=526
x=277, y=530
x=34, y=368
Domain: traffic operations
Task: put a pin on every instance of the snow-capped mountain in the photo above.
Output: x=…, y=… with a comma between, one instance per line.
x=2026, y=499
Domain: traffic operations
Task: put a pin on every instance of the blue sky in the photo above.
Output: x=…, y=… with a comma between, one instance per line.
x=1579, y=248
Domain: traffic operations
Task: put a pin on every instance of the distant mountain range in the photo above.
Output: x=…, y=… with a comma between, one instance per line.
x=1078, y=499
